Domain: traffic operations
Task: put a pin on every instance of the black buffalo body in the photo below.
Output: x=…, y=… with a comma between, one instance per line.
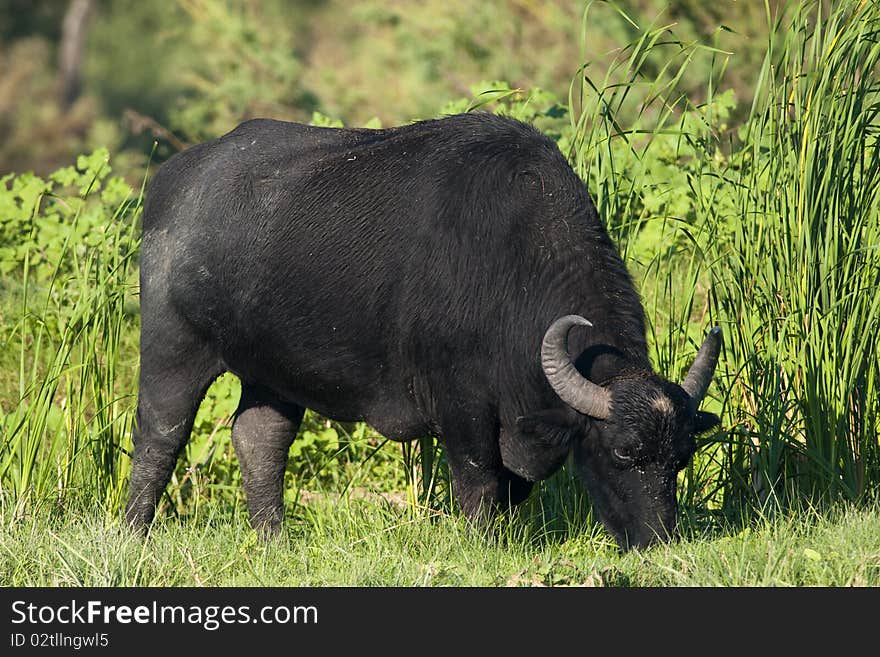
x=427, y=279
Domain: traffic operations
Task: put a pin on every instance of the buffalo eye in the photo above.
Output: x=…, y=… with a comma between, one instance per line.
x=623, y=456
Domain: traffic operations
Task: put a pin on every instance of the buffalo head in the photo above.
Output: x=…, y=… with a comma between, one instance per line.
x=630, y=436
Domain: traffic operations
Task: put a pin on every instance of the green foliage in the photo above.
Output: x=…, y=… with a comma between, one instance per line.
x=43, y=219
x=537, y=106
x=323, y=121
x=253, y=70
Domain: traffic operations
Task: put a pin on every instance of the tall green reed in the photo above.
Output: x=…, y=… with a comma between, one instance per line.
x=69, y=429
x=798, y=267
x=772, y=232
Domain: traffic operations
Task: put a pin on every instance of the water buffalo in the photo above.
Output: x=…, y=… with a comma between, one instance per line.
x=449, y=277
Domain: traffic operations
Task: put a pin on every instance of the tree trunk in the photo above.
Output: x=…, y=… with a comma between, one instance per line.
x=70, y=53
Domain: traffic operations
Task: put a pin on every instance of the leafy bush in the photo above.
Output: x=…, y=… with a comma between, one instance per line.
x=56, y=222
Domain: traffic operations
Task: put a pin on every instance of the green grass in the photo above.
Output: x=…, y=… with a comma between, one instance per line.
x=364, y=543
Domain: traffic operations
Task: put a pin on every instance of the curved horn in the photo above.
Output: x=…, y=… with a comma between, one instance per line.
x=575, y=390
x=700, y=374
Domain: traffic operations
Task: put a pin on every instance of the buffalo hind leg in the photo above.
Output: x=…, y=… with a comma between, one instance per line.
x=263, y=430
x=481, y=483
x=173, y=381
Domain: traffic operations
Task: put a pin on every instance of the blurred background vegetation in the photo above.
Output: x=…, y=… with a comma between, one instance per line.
x=76, y=75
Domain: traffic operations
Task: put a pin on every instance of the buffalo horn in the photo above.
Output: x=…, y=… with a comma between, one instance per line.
x=700, y=374
x=575, y=390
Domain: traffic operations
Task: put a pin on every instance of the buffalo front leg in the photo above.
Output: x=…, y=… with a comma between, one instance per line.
x=481, y=483
x=263, y=430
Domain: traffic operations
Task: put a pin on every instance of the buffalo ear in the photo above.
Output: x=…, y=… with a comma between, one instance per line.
x=704, y=421
x=552, y=427
x=539, y=444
